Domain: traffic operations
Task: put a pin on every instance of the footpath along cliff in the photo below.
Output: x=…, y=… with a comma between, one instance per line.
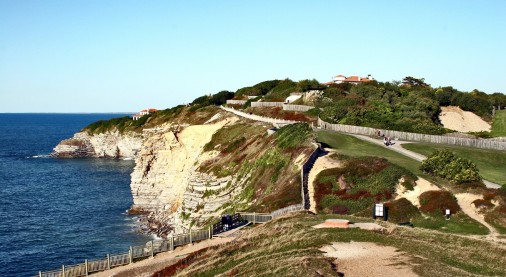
x=190, y=170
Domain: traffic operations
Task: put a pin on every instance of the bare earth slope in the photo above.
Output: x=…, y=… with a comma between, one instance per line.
x=456, y=119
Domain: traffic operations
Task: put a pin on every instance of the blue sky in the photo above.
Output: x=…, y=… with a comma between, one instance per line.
x=112, y=56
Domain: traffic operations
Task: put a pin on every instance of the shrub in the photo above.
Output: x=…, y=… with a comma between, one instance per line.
x=436, y=201
x=368, y=180
x=401, y=210
x=445, y=164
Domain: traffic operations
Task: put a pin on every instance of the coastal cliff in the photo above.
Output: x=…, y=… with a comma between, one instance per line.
x=198, y=165
x=188, y=176
x=166, y=181
x=111, y=144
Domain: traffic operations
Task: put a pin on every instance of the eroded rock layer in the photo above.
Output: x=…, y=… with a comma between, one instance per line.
x=104, y=145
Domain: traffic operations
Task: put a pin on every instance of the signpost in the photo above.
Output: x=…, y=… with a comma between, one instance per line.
x=447, y=213
x=380, y=210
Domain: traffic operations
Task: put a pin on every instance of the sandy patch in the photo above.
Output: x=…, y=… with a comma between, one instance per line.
x=422, y=186
x=344, y=224
x=322, y=163
x=465, y=201
x=456, y=119
x=368, y=259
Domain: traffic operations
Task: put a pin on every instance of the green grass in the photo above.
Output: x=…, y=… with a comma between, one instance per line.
x=491, y=163
x=499, y=124
x=459, y=223
x=351, y=146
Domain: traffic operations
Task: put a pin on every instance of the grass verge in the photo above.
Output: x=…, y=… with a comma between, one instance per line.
x=491, y=163
x=351, y=146
x=499, y=124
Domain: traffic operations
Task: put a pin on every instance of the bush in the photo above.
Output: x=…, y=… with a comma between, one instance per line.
x=445, y=164
x=436, y=201
x=217, y=99
x=367, y=181
x=401, y=210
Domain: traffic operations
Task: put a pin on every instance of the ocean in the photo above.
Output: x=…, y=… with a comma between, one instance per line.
x=58, y=211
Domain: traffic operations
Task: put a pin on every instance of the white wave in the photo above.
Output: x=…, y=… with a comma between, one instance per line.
x=40, y=156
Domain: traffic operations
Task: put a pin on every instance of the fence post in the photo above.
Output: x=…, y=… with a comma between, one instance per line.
x=86, y=265
x=108, y=261
x=254, y=218
x=190, y=236
x=152, y=249
x=63, y=270
x=131, y=254
x=172, y=243
x=210, y=232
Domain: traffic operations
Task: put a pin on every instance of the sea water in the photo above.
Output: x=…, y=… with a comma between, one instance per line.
x=58, y=211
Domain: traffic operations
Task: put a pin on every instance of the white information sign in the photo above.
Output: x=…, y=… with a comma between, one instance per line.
x=378, y=210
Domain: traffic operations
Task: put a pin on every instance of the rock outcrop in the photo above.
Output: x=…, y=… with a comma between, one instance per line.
x=167, y=184
x=104, y=145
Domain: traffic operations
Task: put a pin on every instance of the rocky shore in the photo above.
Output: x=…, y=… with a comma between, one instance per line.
x=104, y=145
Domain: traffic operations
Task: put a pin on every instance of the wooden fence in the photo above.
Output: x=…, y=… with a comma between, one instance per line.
x=236, y=102
x=297, y=108
x=286, y=107
x=468, y=142
x=259, y=118
x=157, y=246
x=135, y=253
x=266, y=104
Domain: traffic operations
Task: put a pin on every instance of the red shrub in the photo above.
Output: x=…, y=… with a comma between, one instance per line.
x=436, y=201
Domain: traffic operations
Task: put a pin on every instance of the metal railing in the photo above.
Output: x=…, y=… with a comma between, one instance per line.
x=157, y=246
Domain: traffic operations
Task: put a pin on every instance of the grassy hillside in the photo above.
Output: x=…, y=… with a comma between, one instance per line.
x=351, y=146
x=267, y=162
x=179, y=114
x=499, y=124
x=290, y=247
x=491, y=163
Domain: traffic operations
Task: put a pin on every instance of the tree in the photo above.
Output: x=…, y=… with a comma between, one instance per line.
x=414, y=82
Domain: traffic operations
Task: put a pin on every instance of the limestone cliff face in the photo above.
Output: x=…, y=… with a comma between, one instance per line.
x=166, y=181
x=104, y=145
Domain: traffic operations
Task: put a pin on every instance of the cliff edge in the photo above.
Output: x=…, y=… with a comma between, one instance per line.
x=111, y=144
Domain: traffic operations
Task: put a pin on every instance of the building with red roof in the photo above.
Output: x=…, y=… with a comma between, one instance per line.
x=143, y=113
x=355, y=79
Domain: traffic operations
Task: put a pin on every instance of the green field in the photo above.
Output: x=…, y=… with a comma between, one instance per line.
x=491, y=163
x=351, y=146
x=499, y=124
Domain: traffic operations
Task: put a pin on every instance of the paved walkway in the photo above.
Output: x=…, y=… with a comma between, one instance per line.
x=398, y=148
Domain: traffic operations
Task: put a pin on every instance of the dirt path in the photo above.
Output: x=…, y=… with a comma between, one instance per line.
x=322, y=163
x=368, y=259
x=151, y=265
x=465, y=201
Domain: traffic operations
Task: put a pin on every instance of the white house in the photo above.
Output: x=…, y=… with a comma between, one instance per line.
x=355, y=79
x=143, y=113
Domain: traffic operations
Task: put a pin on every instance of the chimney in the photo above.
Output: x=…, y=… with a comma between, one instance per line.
x=369, y=77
